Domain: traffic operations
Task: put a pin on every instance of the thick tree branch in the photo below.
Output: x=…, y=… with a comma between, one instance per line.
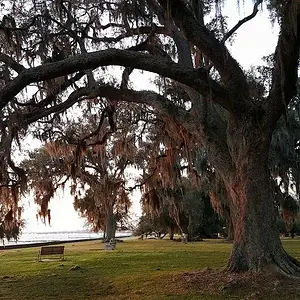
x=11, y=63
x=163, y=106
x=230, y=71
x=286, y=61
x=160, y=103
x=197, y=80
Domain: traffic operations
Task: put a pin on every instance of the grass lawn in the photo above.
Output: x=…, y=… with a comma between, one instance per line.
x=138, y=269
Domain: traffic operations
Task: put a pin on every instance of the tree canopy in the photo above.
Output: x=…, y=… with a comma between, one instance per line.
x=57, y=61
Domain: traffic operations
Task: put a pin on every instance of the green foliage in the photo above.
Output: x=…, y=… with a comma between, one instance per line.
x=188, y=209
x=159, y=225
x=202, y=220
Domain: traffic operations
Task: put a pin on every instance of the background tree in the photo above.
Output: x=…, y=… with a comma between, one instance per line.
x=58, y=48
x=67, y=160
x=188, y=206
x=160, y=225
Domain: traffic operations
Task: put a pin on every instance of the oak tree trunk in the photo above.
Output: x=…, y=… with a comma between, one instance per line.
x=257, y=245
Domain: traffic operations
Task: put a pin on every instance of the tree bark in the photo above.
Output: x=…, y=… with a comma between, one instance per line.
x=229, y=229
x=257, y=244
x=110, y=226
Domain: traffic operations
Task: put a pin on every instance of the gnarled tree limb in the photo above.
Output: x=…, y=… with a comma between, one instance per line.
x=199, y=81
x=230, y=71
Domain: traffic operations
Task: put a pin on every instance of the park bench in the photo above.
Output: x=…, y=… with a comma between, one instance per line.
x=51, y=250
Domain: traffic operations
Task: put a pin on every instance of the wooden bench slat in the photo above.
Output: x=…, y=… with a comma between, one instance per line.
x=51, y=250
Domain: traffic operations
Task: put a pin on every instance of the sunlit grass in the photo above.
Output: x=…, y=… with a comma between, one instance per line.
x=138, y=269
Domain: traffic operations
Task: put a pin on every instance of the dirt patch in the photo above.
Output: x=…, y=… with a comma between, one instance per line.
x=246, y=285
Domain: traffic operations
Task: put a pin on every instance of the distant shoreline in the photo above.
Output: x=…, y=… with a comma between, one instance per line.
x=39, y=244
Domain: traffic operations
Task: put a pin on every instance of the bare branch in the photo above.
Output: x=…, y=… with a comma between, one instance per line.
x=243, y=21
x=111, y=24
x=54, y=93
x=102, y=141
x=42, y=112
x=125, y=77
x=139, y=185
x=97, y=130
x=132, y=32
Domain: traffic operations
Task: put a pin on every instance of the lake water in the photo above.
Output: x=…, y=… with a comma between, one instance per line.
x=44, y=237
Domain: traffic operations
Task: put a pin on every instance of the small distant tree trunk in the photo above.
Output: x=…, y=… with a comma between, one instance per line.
x=180, y=224
x=293, y=230
x=191, y=229
x=110, y=226
x=172, y=231
x=162, y=236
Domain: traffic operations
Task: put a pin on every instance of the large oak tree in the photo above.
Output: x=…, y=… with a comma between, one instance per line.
x=62, y=50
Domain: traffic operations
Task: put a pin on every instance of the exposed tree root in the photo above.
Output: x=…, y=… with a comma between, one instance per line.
x=288, y=265
x=280, y=263
x=270, y=284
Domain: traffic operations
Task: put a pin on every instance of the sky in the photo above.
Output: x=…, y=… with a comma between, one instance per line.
x=255, y=39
